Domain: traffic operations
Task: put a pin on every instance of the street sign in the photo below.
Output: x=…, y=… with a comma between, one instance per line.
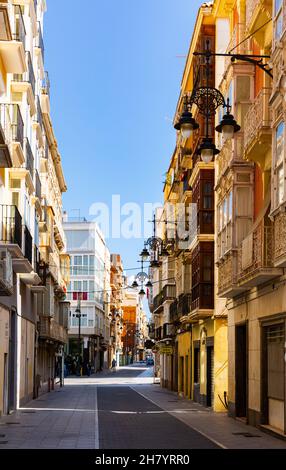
x=166, y=350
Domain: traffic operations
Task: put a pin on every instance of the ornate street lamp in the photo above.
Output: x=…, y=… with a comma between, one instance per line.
x=186, y=123
x=208, y=99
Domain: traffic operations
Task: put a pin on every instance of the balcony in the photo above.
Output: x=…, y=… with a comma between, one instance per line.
x=49, y=329
x=38, y=122
x=255, y=257
x=184, y=304
x=38, y=185
x=28, y=244
x=16, y=237
x=169, y=331
x=5, y=137
x=280, y=240
x=174, y=314
x=26, y=83
x=157, y=302
x=29, y=164
x=257, y=128
x=12, y=45
x=168, y=293
x=17, y=134
x=10, y=226
x=258, y=12
x=159, y=333
x=40, y=49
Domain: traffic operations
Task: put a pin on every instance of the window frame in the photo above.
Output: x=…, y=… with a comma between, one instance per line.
x=279, y=166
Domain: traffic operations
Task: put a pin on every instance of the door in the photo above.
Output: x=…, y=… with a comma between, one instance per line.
x=11, y=363
x=241, y=389
x=275, y=375
x=5, y=384
x=210, y=375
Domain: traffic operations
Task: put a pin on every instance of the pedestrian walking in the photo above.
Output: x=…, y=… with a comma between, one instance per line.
x=113, y=364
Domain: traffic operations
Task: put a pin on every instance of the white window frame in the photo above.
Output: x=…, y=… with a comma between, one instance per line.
x=277, y=16
x=278, y=167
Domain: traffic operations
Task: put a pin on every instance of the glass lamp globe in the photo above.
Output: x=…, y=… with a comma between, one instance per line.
x=228, y=131
x=207, y=155
x=187, y=130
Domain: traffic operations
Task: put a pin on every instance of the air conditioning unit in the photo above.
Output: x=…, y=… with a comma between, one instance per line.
x=6, y=273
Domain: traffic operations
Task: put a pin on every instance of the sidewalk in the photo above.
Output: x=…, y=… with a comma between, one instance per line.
x=227, y=432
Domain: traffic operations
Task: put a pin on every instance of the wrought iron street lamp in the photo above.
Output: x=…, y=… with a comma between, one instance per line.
x=208, y=99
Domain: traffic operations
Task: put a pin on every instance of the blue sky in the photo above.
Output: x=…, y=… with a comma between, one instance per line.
x=115, y=79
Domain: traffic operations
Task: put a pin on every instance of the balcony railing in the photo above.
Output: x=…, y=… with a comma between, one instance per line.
x=158, y=333
x=28, y=247
x=40, y=41
x=46, y=84
x=184, y=304
x=255, y=257
x=158, y=300
x=174, y=314
x=28, y=76
x=236, y=38
x=168, y=330
x=10, y=225
x=29, y=158
x=169, y=292
x=258, y=118
x=20, y=31
x=50, y=329
x=37, y=260
x=39, y=117
x=17, y=124
x=38, y=185
x=5, y=125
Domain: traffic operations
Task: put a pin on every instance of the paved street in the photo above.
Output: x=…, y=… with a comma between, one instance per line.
x=123, y=410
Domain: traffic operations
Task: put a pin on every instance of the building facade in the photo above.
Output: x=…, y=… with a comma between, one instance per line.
x=115, y=314
x=30, y=314
x=191, y=337
x=250, y=232
x=88, y=292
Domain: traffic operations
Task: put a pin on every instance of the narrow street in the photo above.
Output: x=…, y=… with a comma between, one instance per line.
x=123, y=410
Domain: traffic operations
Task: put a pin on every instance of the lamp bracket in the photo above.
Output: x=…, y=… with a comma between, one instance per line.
x=251, y=58
x=207, y=99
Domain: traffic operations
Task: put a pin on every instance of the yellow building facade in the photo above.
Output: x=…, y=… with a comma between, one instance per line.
x=190, y=328
x=250, y=201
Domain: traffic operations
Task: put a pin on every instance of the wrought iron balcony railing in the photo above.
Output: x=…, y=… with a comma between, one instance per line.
x=49, y=329
x=258, y=118
x=174, y=314
x=20, y=31
x=17, y=124
x=255, y=257
x=28, y=247
x=184, y=304
x=38, y=185
x=46, y=84
x=40, y=41
x=5, y=125
x=29, y=158
x=10, y=225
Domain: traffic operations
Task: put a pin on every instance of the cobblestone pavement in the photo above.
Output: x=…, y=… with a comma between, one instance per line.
x=123, y=409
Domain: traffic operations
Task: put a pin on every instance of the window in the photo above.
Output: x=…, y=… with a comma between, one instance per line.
x=229, y=206
x=207, y=268
x=279, y=163
x=278, y=19
x=224, y=239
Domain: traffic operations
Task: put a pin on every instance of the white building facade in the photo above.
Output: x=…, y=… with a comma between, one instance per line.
x=89, y=292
